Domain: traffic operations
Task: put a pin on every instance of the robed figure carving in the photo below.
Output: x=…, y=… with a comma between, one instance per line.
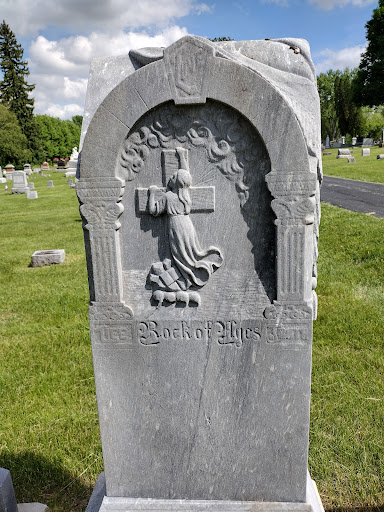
x=191, y=266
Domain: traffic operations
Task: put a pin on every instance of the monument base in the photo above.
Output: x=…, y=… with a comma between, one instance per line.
x=22, y=190
x=101, y=503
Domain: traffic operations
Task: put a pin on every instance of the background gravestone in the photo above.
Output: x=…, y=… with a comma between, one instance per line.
x=199, y=191
x=20, y=183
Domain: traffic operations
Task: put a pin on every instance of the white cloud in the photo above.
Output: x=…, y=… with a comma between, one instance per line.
x=341, y=59
x=331, y=4
x=326, y=4
x=60, y=68
x=103, y=15
x=64, y=111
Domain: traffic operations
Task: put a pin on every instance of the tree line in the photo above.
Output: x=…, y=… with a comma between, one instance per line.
x=351, y=101
x=25, y=137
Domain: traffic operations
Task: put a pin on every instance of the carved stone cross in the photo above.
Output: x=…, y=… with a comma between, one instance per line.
x=203, y=198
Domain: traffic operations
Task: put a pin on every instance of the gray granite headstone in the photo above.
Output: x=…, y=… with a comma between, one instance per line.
x=31, y=185
x=365, y=152
x=199, y=192
x=7, y=494
x=50, y=183
x=20, y=183
x=351, y=159
x=32, y=194
x=327, y=142
x=69, y=182
x=343, y=151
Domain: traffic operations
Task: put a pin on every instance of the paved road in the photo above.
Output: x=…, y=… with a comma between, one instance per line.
x=357, y=196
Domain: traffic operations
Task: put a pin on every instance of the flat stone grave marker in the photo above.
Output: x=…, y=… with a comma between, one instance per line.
x=365, y=152
x=199, y=193
x=50, y=257
x=20, y=183
x=343, y=153
x=50, y=183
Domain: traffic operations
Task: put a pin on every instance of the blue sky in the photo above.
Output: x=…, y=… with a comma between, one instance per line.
x=60, y=37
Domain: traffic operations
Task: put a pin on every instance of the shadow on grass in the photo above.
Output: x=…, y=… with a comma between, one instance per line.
x=37, y=479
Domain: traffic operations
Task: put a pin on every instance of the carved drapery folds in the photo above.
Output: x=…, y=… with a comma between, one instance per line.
x=294, y=205
x=100, y=209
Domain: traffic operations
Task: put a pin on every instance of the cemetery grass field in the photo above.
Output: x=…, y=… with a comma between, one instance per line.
x=366, y=168
x=49, y=436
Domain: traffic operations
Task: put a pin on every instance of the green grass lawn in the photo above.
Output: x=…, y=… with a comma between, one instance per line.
x=49, y=436
x=366, y=168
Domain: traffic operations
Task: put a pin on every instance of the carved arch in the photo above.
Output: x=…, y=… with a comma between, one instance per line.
x=244, y=90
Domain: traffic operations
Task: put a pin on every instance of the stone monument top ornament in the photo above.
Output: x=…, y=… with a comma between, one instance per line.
x=199, y=192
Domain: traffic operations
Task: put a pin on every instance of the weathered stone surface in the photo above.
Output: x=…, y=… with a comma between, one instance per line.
x=20, y=183
x=365, y=152
x=32, y=507
x=50, y=257
x=380, y=157
x=344, y=151
x=32, y=194
x=7, y=494
x=31, y=185
x=69, y=182
x=50, y=184
x=342, y=156
x=351, y=159
x=199, y=191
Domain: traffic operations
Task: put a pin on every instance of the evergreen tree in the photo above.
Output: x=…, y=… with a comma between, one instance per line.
x=14, y=88
x=13, y=143
x=368, y=84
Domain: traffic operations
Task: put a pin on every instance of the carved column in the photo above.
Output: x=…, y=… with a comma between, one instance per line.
x=100, y=210
x=294, y=206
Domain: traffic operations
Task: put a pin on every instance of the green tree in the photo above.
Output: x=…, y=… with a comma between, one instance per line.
x=78, y=120
x=13, y=143
x=14, y=88
x=368, y=84
x=58, y=137
x=329, y=118
x=349, y=114
x=374, y=122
